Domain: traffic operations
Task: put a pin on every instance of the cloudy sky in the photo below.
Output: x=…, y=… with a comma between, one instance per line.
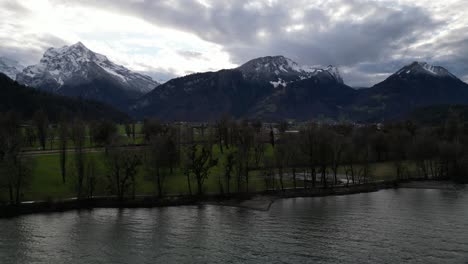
x=366, y=39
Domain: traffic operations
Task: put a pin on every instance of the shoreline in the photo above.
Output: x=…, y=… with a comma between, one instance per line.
x=255, y=201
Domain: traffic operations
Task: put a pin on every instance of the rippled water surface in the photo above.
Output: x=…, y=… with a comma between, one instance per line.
x=390, y=226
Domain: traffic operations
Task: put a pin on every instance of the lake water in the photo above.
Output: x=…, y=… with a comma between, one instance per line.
x=389, y=226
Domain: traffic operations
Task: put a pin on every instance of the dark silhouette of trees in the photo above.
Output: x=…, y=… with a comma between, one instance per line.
x=222, y=132
x=244, y=145
x=200, y=161
x=78, y=136
x=268, y=172
x=51, y=133
x=399, y=142
x=41, y=122
x=162, y=156
x=122, y=170
x=308, y=148
x=228, y=169
x=128, y=130
x=103, y=133
x=30, y=135
x=280, y=157
x=63, y=135
x=324, y=153
x=91, y=176
x=350, y=160
x=424, y=152
x=15, y=170
x=378, y=144
x=283, y=126
x=337, y=148
x=151, y=127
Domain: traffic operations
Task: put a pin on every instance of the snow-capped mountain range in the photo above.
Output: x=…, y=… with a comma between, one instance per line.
x=282, y=70
x=59, y=66
x=269, y=87
x=415, y=85
x=256, y=89
x=10, y=67
x=418, y=68
x=79, y=72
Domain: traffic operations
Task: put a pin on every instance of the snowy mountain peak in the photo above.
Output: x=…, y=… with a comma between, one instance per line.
x=79, y=44
x=276, y=68
x=424, y=68
x=77, y=63
x=10, y=67
x=335, y=73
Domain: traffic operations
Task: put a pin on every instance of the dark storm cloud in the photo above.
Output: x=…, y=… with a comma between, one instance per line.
x=31, y=53
x=367, y=39
x=344, y=33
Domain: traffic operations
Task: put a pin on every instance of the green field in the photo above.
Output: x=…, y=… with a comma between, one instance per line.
x=123, y=139
x=46, y=181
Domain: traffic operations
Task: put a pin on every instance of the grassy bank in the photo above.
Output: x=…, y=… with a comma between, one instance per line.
x=46, y=181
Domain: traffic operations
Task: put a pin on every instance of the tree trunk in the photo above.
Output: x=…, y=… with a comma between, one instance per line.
x=188, y=182
x=221, y=190
x=280, y=172
x=335, y=179
x=11, y=192
x=133, y=188
x=314, y=176
x=221, y=145
x=294, y=177
x=247, y=178
x=305, y=179
x=199, y=185
x=158, y=177
x=63, y=162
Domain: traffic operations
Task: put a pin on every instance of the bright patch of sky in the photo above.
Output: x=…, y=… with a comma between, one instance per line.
x=126, y=40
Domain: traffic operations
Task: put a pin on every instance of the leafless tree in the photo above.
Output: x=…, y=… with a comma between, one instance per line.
x=15, y=170
x=78, y=136
x=41, y=122
x=63, y=134
x=200, y=158
x=122, y=170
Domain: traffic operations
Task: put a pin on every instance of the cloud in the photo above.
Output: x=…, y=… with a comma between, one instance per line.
x=190, y=54
x=17, y=40
x=127, y=40
x=367, y=39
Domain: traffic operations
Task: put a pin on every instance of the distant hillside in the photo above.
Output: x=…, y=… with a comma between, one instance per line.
x=267, y=88
x=438, y=114
x=26, y=100
x=414, y=86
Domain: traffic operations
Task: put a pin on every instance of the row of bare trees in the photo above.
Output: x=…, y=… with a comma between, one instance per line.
x=15, y=170
x=307, y=156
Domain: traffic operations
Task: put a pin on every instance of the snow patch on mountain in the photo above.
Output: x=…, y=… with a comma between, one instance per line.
x=278, y=83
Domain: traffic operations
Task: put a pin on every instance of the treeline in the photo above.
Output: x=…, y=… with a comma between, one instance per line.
x=304, y=156
x=25, y=101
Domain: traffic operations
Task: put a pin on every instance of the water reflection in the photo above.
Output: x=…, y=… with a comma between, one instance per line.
x=416, y=226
